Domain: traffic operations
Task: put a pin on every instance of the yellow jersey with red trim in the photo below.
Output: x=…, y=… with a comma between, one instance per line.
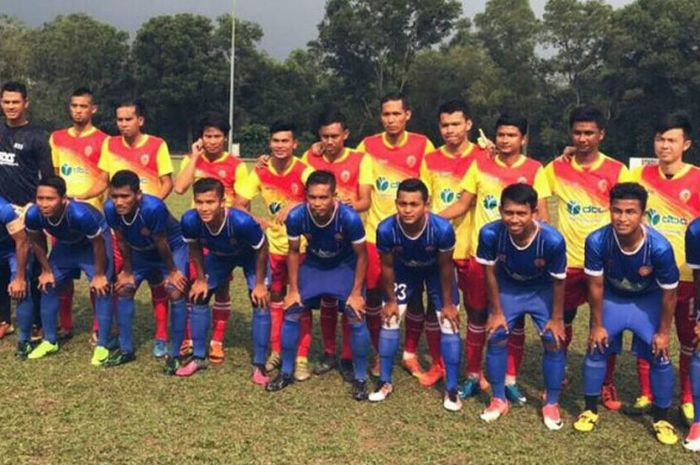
x=227, y=168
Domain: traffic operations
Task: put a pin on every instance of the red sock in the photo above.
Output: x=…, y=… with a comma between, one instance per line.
x=347, y=349
x=65, y=308
x=329, y=322
x=221, y=312
x=306, y=321
x=474, y=348
x=643, y=375
x=414, y=329
x=188, y=327
x=432, y=336
x=276, y=317
x=160, y=311
x=569, y=331
x=684, y=374
x=610, y=372
x=516, y=348
x=374, y=324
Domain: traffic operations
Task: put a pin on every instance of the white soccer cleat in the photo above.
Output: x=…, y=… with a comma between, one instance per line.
x=381, y=393
x=452, y=402
x=692, y=441
x=550, y=416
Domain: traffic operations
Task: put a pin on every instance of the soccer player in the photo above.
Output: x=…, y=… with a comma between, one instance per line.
x=281, y=185
x=581, y=184
x=482, y=185
x=632, y=285
x=82, y=242
x=75, y=152
x=692, y=256
x=335, y=266
x=152, y=248
x=209, y=158
x=149, y=157
x=525, y=268
x=395, y=154
x=416, y=249
x=446, y=168
x=233, y=239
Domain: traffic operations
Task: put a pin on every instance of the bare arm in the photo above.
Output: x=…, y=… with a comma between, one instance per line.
x=18, y=287
x=543, y=210
x=185, y=177
x=459, y=207
x=166, y=186
x=364, y=198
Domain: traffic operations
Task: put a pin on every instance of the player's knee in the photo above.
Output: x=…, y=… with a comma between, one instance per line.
x=596, y=357
x=293, y=315
x=174, y=294
x=570, y=315
x=374, y=298
x=203, y=300
x=222, y=293
x=499, y=338
x=126, y=292
x=477, y=317
x=329, y=302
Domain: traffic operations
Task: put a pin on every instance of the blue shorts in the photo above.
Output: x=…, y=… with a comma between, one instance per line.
x=517, y=301
x=336, y=283
x=408, y=280
x=639, y=314
x=68, y=260
x=218, y=269
x=149, y=266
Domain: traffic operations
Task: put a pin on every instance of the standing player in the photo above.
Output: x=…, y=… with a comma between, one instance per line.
x=210, y=159
x=692, y=256
x=416, y=249
x=525, y=268
x=581, y=183
x=233, y=239
x=632, y=285
x=395, y=155
x=335, y=266
x=82, y=242
x=446, y=168
x=281, y=185
x=483, y=184
x=150, y=241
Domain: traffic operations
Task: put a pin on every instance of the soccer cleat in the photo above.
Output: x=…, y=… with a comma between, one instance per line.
x=327, y=363
x=37, y=334
x=692, y=441
x=347, y=371
x=99, y=356
x=192, y=367
x=687, y=413
x=551, y=417
x=514, y=396
x=381, y=393
x=433, y=375
x=279, y=383
x=65, y=334
x=216, y=353
x=496, y=409
x=665, y=433
x=23, y=349
x=42, y=350
x=611, y=400
x=301, y=369
x=172, y=364
x=452, y=402
x=359, y=390
x=641, y=406
x=119, y=358
x=586, y=421
x=274, y=360
x=160, y=348
x=186, y=348
x=470, y=388
x=259, y=376
x=376, y=368
x=6, y=329
x=412, y=365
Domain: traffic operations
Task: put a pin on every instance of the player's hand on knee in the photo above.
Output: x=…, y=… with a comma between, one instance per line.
x=125, y=284
x=556, y=327
x=17, y=289
x=451, y=314
x=199, y=290
x=357, y=304
x=390, y=310
x=177, y=280
x=99, y=285
x=45, y=280
x=659, y=345
x=496, y=321
x=260, y=296
x=598, y=339
x=292, y=299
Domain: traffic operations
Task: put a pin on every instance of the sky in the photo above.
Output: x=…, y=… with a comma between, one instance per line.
x=287, y=24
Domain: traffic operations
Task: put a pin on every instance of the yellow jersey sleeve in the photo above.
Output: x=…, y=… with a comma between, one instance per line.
x=241, y=175
x=185, y=161
x=250, y=187
x=55, y=157
x=306, y=173
x=165, y=164
x=541, y=184
x=361, y=147
x=366, y=171
x=105, y=158
x=549, y=174
x=470, y=182
x=626, y=176
x=429, y=147
x=426, y=177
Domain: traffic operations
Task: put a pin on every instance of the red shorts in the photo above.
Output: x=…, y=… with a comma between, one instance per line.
x=575, y=289
x=685, y=313
x=472, y=282
x=374, y=268
x=279, y=272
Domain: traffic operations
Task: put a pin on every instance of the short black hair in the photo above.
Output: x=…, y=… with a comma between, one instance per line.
x=203, y=185
x=283, y=126
x=330, y=116
x=82, y=92
x=138, y=105
x=394, y=97
x=676, y=120
x=56, y=182
x=588, y=114
x=511, y=118
x=629, y=191
x=14, y=86
x=521, y=194
x=126, y=178
x=321, y=177
x=214, y=120
x=453, y=106
x=413, y=185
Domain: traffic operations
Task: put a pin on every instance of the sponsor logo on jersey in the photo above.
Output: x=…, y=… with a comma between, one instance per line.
x=574, y=208
x=275, y=207
x=8, y=159
x=490, y=202
x=17, y=146
x=654, y=218
x=447, y=195
x=67, y=170
x=381, y=184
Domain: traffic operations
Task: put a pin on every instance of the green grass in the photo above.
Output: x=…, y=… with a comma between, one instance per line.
x=61, y=410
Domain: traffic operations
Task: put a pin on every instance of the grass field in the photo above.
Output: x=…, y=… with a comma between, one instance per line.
x=61, y=410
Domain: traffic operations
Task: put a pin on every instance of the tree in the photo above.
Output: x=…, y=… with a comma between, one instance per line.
x=15, y=49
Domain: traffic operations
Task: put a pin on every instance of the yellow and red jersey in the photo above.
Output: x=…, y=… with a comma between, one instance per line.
x=345, y=168
x=150, y=159
x=76, y=156
x=582, y=195
x=277, y=190
x=487, y=178
x=445, y=172
x=673, y=204
x=389, y=165
x=227, y=168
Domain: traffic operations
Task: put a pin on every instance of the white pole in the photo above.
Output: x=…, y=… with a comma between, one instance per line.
x=231, y=73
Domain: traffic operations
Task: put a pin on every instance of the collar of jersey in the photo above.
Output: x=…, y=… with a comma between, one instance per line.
x=680, y=174
x=402, y=141
x=221, y=158
x=639, y=247
x=330, y=220
x=60, y=220
x=521, y=159
x=136, y=214
x=221, y=228
x=420, y=233
x=341, y=158
x=532, y=239
x=89, y=132
x=287, y=171
x=463, y=154
x=141, y=143
x=594, y=166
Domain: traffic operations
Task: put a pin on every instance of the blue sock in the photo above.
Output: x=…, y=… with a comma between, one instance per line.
x=359, y=343
x=553, y=365
x=496, y=364
x=125, y=321
x=103, y=314
x=661, y=378
x=695, y=383
x=49, y=314
x=261, y=334
x=178, y=325
x=25, y=318
x=291, y=329
x=594, y=366
x=451, y=347
x=200, y=322
x=388, y=346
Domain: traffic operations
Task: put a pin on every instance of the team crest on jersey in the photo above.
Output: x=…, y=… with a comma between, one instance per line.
x=522, y=180
x=684, y=195
x=539, y=263
x=345, y=175
x=222, y=173
x=145, y=231
x=88, y=150
x=145, y=158
x=411, y=161
x=295, y=188
x=339, y=237
x=603, y=185
x=645, y=271
x=430, y=248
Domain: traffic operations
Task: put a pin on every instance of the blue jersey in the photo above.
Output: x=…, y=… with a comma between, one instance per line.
x=533, y=265
x=650, y=267
x=328, y=244
x=8, y=216
x=238, y=235
x=692, y=245
x=79, y=223
x=151, y=217
x=419, y=251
